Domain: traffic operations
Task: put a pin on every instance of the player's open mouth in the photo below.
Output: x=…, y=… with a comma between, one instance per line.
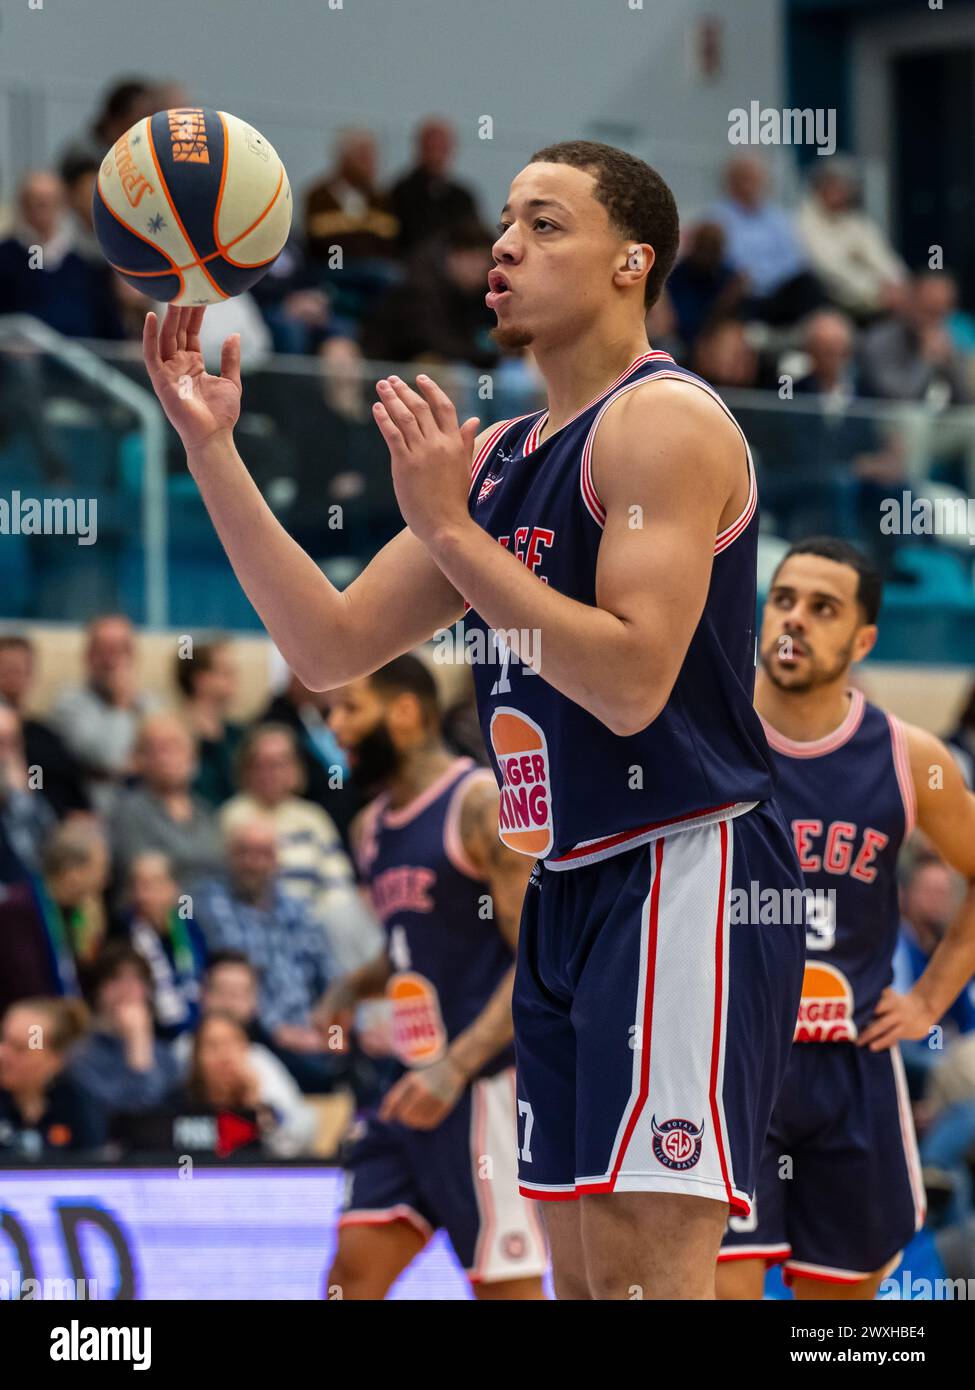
x=498, y=289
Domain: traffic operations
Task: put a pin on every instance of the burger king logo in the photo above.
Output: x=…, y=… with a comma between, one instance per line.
x=525, y=812
x=826, y=1007
x=419, y=1036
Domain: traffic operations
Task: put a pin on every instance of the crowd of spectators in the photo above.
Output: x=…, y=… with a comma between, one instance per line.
x=175, y=898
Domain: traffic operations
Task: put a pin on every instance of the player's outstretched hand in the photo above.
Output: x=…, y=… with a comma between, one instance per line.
x=197, y=404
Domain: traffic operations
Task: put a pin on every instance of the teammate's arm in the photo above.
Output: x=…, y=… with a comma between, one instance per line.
x=946, y=814
x=667, y=461
x=423, y=1098
x=327, y=636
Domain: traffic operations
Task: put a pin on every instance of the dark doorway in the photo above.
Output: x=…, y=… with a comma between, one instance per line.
x=934, y=160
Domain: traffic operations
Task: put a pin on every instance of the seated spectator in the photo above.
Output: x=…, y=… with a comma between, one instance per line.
x=703, y=286
x=228, y=1072
x=246, y=909
x=855, y=263
x=231, y=986
x=929, y=900
x=63, y=782
x=833, y=465
x=312, y=861
x=207, y=681
x=439, y=313
x=350, y=230
x=838, y=435
x=305, y=713
x=426, y=200
x=42, y=274
x=125, y=102
x=762, y=244
x=52, y=925
x=161, y=813
x=912, y=356
x=79, y=176
x=160, y=927
x=295, y=310
x=99, y=719
x=723, y=356
x=121, y=1067
x=24, y=809
x=42, y=1110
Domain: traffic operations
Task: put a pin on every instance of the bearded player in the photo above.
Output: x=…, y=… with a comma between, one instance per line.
x=605, y=548
x=839, y=1192
x=440, y=1151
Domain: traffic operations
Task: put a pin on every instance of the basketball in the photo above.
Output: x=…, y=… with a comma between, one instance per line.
x=192, y=206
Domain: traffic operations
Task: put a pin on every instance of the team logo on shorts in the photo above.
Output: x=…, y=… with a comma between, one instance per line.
x=677, y=1143
x=514, y=1245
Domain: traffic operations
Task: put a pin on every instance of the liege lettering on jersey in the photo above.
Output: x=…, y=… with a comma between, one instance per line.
x=832, y=851
x=403, y=889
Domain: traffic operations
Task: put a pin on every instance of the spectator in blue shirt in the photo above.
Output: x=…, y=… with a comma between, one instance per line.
x=247, y=910
x=763, y=244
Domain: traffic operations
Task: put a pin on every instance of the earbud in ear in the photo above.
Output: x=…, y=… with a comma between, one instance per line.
x=635, y=259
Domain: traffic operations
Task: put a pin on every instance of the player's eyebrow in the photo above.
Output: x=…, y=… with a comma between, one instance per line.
x=538, y=203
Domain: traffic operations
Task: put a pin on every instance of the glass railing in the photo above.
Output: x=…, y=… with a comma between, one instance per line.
x=895, y=478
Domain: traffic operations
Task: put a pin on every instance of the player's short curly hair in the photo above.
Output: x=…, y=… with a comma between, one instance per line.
x=638, y=201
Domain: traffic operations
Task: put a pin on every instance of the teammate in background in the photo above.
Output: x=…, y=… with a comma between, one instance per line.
x=606, y=548
x=839, y=1191
x=441, y=1150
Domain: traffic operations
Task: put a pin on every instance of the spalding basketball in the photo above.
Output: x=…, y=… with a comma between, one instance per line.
x=192, y=206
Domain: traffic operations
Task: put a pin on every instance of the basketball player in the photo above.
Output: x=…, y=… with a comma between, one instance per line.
x=441, y=1151
x=606, y=549
x=839, y=1191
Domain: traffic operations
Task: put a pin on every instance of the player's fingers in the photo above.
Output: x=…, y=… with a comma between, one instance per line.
x=150, y=345
x=439, y=402
x=399, y=412
x=468, y=432
x=414, y=403
x=387, y=429
x=230, y=359
x=181, y=330
x=167, y=338
x=193, y=326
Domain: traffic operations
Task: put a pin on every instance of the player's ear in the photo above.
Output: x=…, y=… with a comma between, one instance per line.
x=635, y=264
x=865, y=641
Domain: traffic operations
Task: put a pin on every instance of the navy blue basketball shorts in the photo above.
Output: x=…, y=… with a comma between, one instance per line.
x=839, y=1187
x=461, y=1176
x=654, y=1013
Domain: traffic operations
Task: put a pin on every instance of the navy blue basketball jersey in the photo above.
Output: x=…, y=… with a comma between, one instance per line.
x=447, y=953
x=573, y=792
x=849, y=798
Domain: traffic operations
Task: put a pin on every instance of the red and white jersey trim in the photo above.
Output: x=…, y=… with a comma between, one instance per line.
x=587, y=486
x=771, y=1254
x=382, y=1216
x=592, y=851
x=902, y=769
x=819, y=747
